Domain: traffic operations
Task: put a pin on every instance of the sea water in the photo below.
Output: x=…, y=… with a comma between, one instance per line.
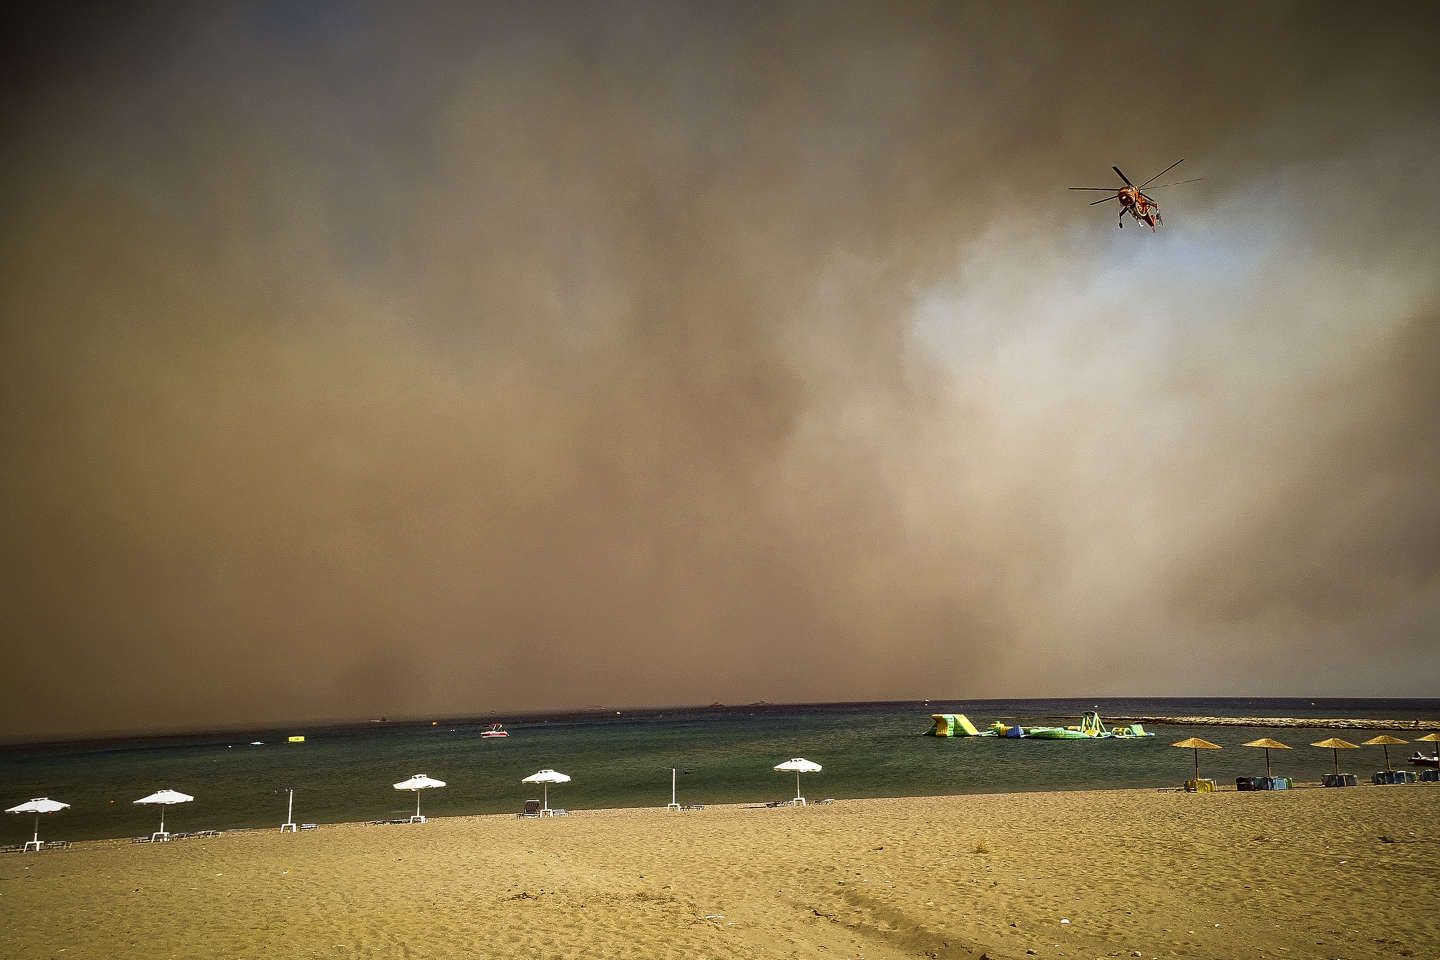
x=721, y=755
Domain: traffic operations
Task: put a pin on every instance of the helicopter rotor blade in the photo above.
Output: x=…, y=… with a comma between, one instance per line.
x=1102, y=189
x=1123, y=177
x=1101, y=200
x=1162, y=173
x=1177, y=183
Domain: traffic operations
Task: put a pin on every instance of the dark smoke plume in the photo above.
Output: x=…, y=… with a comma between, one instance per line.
x=441, y=360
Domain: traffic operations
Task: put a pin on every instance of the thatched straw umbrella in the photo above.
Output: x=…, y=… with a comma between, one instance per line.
x=1384, y=740
x=1336, y=744
x=1268, y=745
x=1196, y=744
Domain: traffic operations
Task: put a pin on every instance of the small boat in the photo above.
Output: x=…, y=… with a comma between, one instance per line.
x=493, y=731
x=1421, y=760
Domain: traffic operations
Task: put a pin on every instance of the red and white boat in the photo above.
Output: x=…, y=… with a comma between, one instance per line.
x=495, y=730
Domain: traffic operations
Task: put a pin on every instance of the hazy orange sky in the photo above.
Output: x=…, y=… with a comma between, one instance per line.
x=449, y=360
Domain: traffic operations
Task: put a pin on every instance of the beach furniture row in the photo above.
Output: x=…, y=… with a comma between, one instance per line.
x=416, y=784
x=1389, y=775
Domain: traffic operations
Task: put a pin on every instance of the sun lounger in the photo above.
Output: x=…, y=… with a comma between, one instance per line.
x=693, y=806
x=1340, y=780
x=12, y=848
x=532, y=809
x=56, y=844
x=1430, y=776
x=308, y=826
x=825, y=801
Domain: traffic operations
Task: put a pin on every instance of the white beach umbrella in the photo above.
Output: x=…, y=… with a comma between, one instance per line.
x=416, y=784
x=798, y=765
x=38, y=806
x=546, y=777
x=165, y=798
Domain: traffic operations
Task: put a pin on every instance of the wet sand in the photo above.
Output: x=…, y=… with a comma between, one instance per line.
x=1303, y=873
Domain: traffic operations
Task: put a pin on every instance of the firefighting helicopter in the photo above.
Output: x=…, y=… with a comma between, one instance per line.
x=1134, y=200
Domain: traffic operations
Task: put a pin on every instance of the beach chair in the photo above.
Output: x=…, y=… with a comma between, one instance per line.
x=308, y=826
x=1430, y=776
x=693, y=806
x=532, y=809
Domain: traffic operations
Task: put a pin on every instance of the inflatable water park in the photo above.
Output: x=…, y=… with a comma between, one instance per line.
x=1090, y=727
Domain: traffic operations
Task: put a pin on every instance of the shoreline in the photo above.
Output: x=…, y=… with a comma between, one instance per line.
x=661, y=811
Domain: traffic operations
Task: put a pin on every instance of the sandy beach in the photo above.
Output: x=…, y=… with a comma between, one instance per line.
x=1309, y=873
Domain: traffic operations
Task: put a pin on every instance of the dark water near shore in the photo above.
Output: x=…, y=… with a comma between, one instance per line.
x=724, y=755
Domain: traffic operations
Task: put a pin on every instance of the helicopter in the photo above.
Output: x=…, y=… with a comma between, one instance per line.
x=1135, y=201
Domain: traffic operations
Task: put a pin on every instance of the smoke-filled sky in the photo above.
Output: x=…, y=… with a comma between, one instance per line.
x=436, y=360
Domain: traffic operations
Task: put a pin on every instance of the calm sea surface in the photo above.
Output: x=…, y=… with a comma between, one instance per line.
x=724, y=755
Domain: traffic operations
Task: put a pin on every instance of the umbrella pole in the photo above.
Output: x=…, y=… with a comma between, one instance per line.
x=1267, y=763
x=1387, y=756
x=1336, y=751
x=546, y=788
x=37, y=829
x=1197, y=764
x=797, y=784
x=162, y=818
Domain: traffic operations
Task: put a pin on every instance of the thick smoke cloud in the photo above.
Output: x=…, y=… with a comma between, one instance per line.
x=368, y=361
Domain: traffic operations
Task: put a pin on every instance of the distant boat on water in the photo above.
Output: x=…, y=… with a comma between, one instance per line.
x=493, y=731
